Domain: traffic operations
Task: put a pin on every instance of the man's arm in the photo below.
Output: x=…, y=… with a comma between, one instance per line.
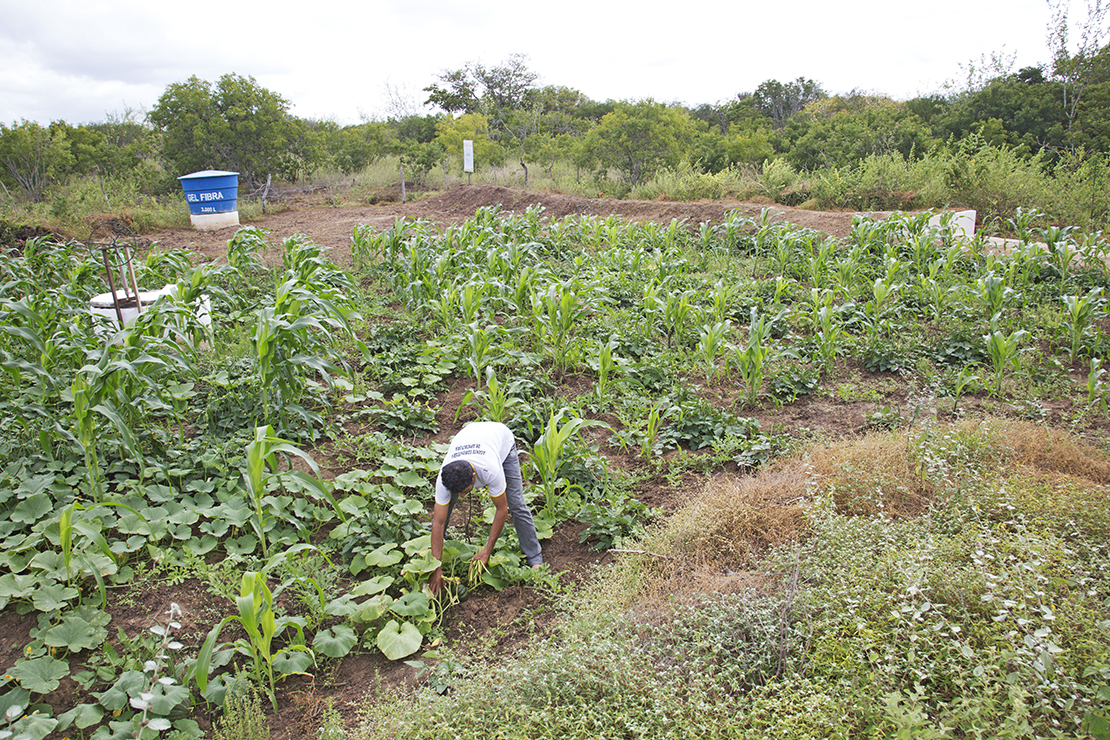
x=439, y=522
x=500, y=514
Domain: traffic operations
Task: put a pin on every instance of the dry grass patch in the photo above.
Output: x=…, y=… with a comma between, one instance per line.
x=1046, y=450
x=872, y=476
x=717, y=541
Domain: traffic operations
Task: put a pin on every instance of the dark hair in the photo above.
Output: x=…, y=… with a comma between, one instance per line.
x=457, y=476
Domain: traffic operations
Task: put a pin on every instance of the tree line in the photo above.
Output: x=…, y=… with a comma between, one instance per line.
x=1042, y=113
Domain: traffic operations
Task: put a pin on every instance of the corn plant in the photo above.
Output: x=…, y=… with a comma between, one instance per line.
x=606, y=366
x=1003, y=350
x=722, y=295
x=470, y=301
x=293, y=340
x=519, y=292
x=556, y=313
x=819, y=263
x=257, y=619
x=992, y=292
x=367, y=247
x=549, y=453
x=1095, y=252
x=846, y=272
x=712, y=341
x=652, y=425
x=829, y=336
x=931, y=289
x=884, y=293
x=445, y=309
x=497, y=401
x=244, y=248
x=1023, y=223
x=960, y=385
x=263, y=469
x=1096, y=388
x=766, y=231
x=1081, y=312
x=677, y=310
x=93, y=396
x=752, y=357
x=1062, y=249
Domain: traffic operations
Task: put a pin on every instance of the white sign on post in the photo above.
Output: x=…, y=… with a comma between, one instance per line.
x=468, y=155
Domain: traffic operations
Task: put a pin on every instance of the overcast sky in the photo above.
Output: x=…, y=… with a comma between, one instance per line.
x=83, y=60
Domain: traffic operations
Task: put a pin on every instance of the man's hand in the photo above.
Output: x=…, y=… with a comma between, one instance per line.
x=436, y=581
x=483, y=555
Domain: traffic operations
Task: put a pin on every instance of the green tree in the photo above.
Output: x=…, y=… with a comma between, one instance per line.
x=1078, y=69
x=1023, y=110
x=780, y=101
x=238, y=126
x=353, y=148
x=34, y=157
x=506, y=94
x=746, y=144
x=451, y=131
x=491, y=91
x=127, y=143
x=841, y=131
x=637, y=139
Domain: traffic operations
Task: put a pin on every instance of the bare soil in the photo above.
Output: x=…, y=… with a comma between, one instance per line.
x=492, y=624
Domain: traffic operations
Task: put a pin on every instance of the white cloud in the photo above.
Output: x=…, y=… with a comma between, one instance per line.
x=79, y=60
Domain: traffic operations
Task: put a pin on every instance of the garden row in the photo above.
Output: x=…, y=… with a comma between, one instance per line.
x=165, y=449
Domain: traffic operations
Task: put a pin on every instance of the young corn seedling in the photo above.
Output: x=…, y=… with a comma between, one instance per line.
x=712, y=341
x=828, y=337
x=555, y=315
x=676, y=311
x=256, y=617
x=752, y=357
x=1003, y=350
x=606, y=366
x=445, y=308
x=993, y=293
x=1081, y=312
x=479, y=342
x=651, y=430
x=1096, y=389
x=961, y=384
x=550, y=451
x=1061, y=248
x=497, y=400
x=470, y=301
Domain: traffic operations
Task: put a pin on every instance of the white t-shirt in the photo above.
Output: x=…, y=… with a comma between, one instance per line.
x=485, y=445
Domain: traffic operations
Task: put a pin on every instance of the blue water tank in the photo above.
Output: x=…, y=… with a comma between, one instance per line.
x=213, y=197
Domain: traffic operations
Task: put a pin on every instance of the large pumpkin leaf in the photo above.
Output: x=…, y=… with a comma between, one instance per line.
x=289, y=662
x=384, y=556
x=53, y=596
x=372, y=586
x=34, y=726
x=335, y=642
x=75, y=634
x=412, y=604
x=82, y=716
x=33, y=508
x=399, y=639
x=41, y=675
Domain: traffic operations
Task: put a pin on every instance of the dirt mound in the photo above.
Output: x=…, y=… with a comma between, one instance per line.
x=332, y=226
x=464, y=200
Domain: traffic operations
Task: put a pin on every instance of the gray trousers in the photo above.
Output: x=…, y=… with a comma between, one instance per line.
x=518, y=509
